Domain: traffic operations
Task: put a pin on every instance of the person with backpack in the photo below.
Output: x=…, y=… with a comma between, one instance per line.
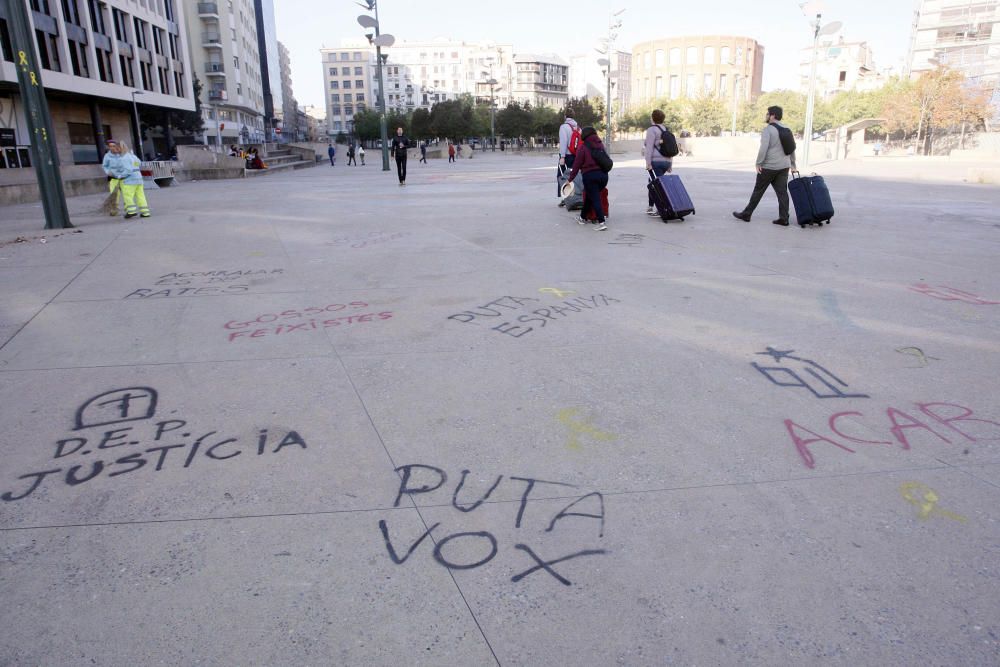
x=569, y=142
x=593, y=161
x=659, y=149
x=774, y=160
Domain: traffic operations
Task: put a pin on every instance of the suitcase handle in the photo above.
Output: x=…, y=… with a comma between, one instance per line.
x=796, y=174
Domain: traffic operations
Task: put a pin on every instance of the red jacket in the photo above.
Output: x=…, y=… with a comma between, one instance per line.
x=584, y=162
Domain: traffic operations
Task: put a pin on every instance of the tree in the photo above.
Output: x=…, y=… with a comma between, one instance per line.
x=753, y=116
x=452, y=118
x=705, y=116
x=366, y=125
x=420, y=124
x=583, y=111
x=545, y=122
x=514, y=120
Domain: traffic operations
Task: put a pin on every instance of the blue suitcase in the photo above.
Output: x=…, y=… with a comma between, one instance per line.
x=811, y=199
x=671, y=198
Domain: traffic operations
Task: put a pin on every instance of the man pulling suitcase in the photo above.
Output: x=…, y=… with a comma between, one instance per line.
x=774, y=160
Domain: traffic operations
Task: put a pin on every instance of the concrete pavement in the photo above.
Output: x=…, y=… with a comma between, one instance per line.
x=316, y=418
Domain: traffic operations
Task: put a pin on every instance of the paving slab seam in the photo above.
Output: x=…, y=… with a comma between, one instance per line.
x=56, y=296
x=163, y=363
x=536, y=500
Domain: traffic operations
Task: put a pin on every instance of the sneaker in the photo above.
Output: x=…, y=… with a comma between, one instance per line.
x=600, y=226
x=582, y=221
x=145, y=215
x=562, y=202
x=652, y=213
x=649, y=210
x=783, y=223
x=741, y=216
x=130, y=215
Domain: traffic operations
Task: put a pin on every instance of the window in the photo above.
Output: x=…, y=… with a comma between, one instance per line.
x=706, y=84
x=335, y=98
x=357, y=71
x=345, y=56
x=357, y=55
x=140, y=33
x=675, y=87
x=724, y=55
x=708, y=56
x=360, y=97
x=359, y=84
x=689, y=90
x=692, y=55
x=645, y=60
x=843, y=79
x=723, y=90
x=78, y=59
x=347, y=84
x=333, y=71
x=84, y=144
x=659, y=58
x=334, y=85
x=236, y=62
x=348, y=110
x=659, y=86
x=675, y=56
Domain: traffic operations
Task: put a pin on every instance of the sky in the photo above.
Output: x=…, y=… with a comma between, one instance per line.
x=570, y=28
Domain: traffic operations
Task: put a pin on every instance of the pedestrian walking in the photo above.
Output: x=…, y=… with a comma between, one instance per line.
x=361, y=154
x=451, y=152
x=125, y=171
x=332, y=154
x=659, y=149
x=773, y=165
x=569, y=140
x=399, y=145
x=423, y=151
x=350, y=156
x=595, y=179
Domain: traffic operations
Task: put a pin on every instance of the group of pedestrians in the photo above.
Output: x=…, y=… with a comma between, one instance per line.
x=352, y=155
x=578, y=147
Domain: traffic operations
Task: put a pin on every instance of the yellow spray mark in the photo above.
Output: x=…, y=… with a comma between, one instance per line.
x=558, y=292
x=925, y=499
x=579, y=427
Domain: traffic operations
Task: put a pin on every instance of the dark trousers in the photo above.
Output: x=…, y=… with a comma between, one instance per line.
x=401, y=167
x=351, y=160
x=593, y=183
x=331, y=160
x=423, y=158
x=660, y=167
x=569, y=168
x=777, y=179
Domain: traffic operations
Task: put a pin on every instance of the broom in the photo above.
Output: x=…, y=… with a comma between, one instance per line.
x=110, y=205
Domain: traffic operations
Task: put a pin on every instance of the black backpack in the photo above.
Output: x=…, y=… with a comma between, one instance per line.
x=602, y=159
x=786, y=137
x=667, y=145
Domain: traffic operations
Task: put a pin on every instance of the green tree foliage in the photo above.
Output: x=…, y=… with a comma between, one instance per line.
x=514, y=120
x=639, y=119
x=420, y=124
x=705, y=116
x=366, y=125
x=452, y=119
x=584, y=111
x=545, y=122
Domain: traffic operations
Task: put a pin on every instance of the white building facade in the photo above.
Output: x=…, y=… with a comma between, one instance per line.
x=840, y=66
x=541, y=80
x=225, y=54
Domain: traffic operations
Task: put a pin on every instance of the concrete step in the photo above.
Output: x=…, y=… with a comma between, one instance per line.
x=281, y=166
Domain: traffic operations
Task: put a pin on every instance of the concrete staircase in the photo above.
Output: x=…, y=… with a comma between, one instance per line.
x=279, y=160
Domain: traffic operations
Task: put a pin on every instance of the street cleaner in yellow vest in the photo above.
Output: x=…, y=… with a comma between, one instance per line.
x=124, y=169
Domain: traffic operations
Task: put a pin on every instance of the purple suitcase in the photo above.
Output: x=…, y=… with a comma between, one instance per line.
x=671, y=198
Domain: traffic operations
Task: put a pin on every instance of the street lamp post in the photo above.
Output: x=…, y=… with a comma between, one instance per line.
x=614, y=23
x=379, y=40
x=819, y=30
x=491, y=82
x=736, y=86
x=138, y=128
x=606, y=64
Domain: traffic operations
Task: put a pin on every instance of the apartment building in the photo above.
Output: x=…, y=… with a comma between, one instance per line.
x=225, y=53
x=962, y=35
x=270, y=67
x=95, y=56
x=689, y=67
x=349, y=81
x=589, y=79
x=541, y=80
x=840, y=66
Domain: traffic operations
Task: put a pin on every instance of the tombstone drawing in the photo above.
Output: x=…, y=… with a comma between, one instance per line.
x=117, y=406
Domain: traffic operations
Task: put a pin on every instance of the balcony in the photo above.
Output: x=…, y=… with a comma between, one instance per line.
x=208, y=9
x=211, y=39
x=218, y=95
x=215, y=68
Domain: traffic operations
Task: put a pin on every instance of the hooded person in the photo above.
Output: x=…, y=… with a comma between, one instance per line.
x=125, y=171
x=569, y=135
x=595, y=179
